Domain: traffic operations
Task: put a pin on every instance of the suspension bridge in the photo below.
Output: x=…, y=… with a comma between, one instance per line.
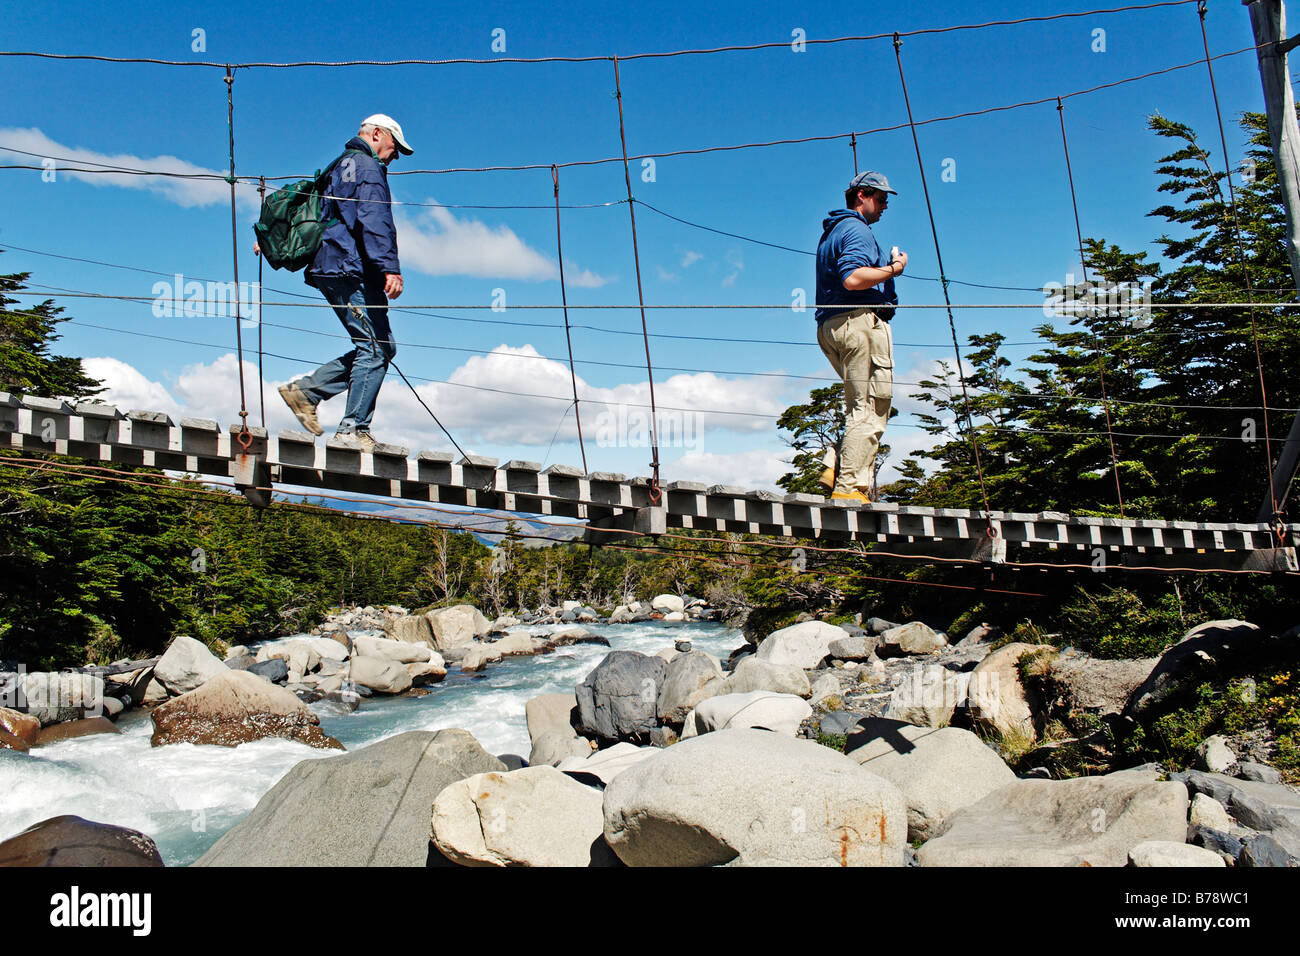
x=612, y=507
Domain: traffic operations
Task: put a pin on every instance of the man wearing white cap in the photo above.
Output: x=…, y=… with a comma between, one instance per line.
x=357, y=270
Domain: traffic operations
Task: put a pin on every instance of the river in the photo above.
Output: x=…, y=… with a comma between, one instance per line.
x=186, y=796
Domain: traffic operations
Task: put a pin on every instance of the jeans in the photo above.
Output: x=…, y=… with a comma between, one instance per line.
x=361, y=371
x=860, y=347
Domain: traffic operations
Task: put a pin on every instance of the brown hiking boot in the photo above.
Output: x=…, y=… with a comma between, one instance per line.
x=301, y=407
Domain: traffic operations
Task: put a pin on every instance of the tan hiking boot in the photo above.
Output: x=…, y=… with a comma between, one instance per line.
x=360, y=440
x=301, y=407
x=858, y=496
x=827, y=480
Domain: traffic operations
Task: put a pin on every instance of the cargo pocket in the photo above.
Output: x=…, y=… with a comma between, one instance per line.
x=880, y=338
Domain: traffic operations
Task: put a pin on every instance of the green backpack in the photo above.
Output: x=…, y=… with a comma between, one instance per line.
x=290, y=229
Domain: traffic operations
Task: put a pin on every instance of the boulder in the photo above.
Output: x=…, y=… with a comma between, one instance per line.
x=504, y=622
x=517, y=644
x=552, y=747
x=1205, y=647
x=912, y=638
x=74, y=841
x=549, y=712
x=802, y=645
x=1208, y=812
x=827, y=686
x=56, y=697
x=668, y=603
x=234, y=708
x=454, y=626
x=382, y=676
x=996, y=696
x=749, y=797
x=755, y=673
x=400, y=652
x=276, y=671
x=478, y=656
x=607, y=764
x=782, y=713
x=929, y=696
x=1259, y=772
x=299, y=655
x=23, y=726
x=689, y=679
x=423, y=673
x=536, y=816
x=409, y=629
x=856, y=648
x=71, y=729
x=618, y=699
x=1215, y=756
x=185, y=665
x=1083, y=684
x=365, y=808
x=1087, y=821
x=1172, y=853
x=938, y=771
x=576, y=635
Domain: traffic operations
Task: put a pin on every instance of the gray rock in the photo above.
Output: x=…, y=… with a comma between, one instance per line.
x=782, y=713
x=409, y=629
x=551, y=747
x=276, y=671
x=753, y=673
x=839, y=723
x=1261, y=773
x=938, y=771
x=537, y=816
x=1165, y=853
x=751, y=798
x=455, y=626
x=877, y=625
x=1215, y=756
x=691, y=677
x=802, y=645
x=1262, y=849
x=383, y=676
x=1087, y=820
x=854, y=648
x=1090, y=685
x=618, y=700
x=929, y=696
x=607, y=764
x=1207, y=645
x=550, y=712
x=1227, y=845
x=1208, y=812
x=366, y=808
x=185, y=665
x=913, y=638
x=996, y=697
x=74, y=841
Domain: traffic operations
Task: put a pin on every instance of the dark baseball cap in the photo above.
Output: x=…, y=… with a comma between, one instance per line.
x=872, y=180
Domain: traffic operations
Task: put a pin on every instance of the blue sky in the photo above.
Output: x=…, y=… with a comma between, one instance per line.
x=1003, y=219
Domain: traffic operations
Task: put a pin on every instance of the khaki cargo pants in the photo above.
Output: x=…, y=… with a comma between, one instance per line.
x=860, y=347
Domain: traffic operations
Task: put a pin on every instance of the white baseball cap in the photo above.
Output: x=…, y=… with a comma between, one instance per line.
x=384, y=121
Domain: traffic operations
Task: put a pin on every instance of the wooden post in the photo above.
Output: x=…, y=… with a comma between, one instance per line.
x=1268, y=20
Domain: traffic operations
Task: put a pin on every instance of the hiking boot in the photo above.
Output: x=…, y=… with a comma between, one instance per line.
x=858, y=496
x=827, y=480
x=301, y=407
x=360, y=440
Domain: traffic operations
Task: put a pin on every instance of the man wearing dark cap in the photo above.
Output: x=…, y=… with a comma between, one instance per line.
x=855, y=298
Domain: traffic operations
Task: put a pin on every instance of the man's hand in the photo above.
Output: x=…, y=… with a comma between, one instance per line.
x=899, y=263
x=392, y=285
x=257, y=250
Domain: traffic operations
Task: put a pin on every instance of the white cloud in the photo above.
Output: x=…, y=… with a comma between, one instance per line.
x=690, y=257
x=127, y=388
x=752, y=470
x=437, y=243
x=184, y=192
x=737, y=263
x=664, y=274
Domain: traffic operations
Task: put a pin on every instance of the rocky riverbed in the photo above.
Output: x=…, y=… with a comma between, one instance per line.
x=873, y=743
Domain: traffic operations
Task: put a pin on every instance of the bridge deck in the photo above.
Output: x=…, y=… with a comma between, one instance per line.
x=99, y=432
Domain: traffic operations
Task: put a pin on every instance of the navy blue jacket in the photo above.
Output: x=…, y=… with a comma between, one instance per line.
x=847, y=244
x=363, y=242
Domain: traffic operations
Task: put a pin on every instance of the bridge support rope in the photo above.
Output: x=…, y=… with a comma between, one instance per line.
x=564, y=299
x=1083, y=262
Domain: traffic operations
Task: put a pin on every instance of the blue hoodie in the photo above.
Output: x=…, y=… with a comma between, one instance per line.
x=363, y=242
x=847, y=243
